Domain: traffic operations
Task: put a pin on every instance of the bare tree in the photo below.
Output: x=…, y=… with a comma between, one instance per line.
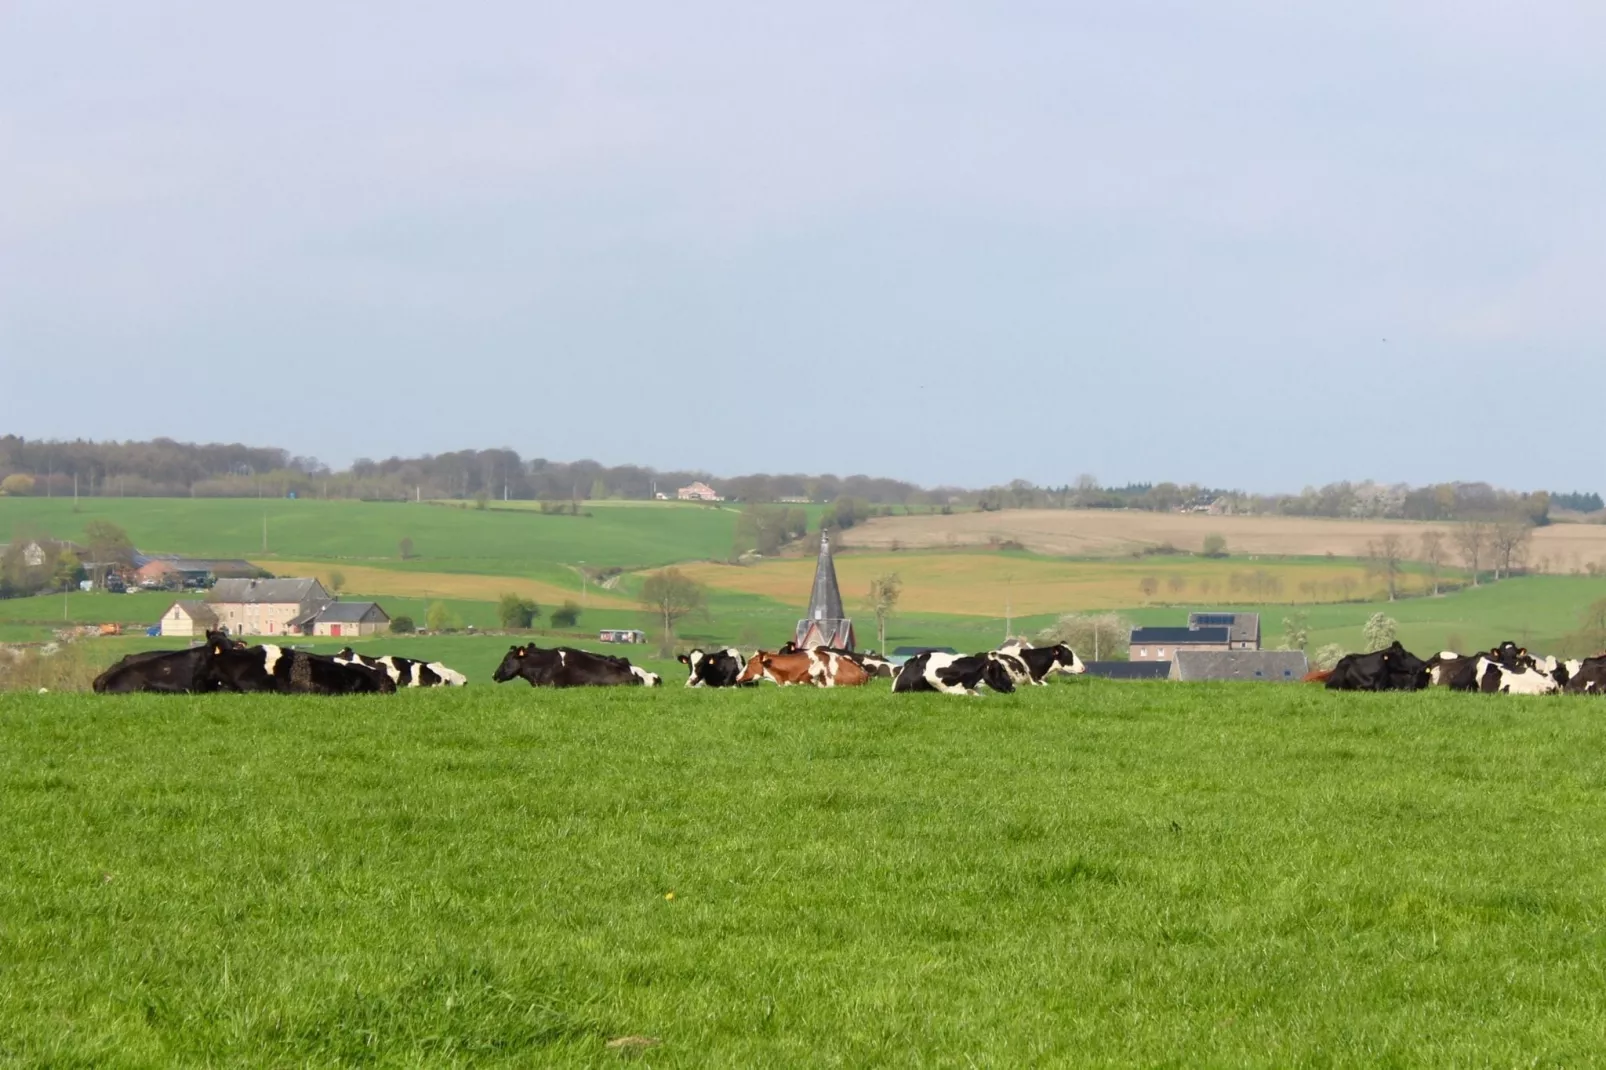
x=1177, y=583
x=1509, y=540
x=1383, y=557
x=1433, y=553
x=1149, y=585
x=1472, y=539
x=671, y=594
x=882, y=600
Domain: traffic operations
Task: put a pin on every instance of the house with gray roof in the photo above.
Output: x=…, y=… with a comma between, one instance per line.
x=344, y=619
x=1163, y=644
x=265, y=607
x=1263, y=666
x=1243, y=629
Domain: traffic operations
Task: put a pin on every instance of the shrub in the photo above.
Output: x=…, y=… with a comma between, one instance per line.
x=566, y=615
x=17, y=484
x=402, y=626
x=1215, y=546
x=516, y=612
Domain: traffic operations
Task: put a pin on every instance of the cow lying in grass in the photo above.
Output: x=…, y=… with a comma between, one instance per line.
x=955, y=674
x=713, y=668
x=567, y=667
x=818, y=667
x=281, y=670
x=406, y=672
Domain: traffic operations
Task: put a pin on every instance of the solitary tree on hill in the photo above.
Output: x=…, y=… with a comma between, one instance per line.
x=671, y=595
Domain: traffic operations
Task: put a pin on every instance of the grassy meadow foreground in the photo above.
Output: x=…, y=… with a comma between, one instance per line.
x=1090, y=872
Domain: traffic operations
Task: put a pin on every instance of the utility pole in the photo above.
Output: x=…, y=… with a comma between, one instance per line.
x=75, y=492
x=264, y=531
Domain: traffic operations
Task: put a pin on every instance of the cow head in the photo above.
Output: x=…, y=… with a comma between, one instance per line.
x=1066, y=661
x=512, y=664
x=691, y=659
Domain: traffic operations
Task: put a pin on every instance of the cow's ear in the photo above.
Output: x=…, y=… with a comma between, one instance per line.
x=1522, y=652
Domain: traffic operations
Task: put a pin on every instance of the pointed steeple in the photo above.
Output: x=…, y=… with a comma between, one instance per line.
x=826, y=601
x=825, y=623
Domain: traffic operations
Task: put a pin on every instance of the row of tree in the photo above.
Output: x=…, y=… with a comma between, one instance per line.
x=166, y=468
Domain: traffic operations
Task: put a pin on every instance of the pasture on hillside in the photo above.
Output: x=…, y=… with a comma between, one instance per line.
x=1086, y=873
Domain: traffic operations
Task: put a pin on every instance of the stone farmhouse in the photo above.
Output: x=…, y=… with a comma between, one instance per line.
x=290, y=607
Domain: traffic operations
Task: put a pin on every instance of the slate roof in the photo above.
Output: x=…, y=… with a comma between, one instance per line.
x=1168, y=636
x=196, y=610
x=1129, y=670
x=348, y=612
x=1244, y=627
x=825, y=601
x=1267, y=666
x=268, y=592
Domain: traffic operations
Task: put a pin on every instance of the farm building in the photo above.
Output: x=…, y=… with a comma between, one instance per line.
x=265, y=607
x=1163, y=644
x=622, y=635
x=826, y=624
x=1243, y=629
x=1274, y=666
x=192, y=572
x=188, y=620
x=698, y=492
x=343, y=619
x=1129, y=670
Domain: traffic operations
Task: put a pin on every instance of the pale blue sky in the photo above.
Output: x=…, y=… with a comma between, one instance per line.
x=949, y=242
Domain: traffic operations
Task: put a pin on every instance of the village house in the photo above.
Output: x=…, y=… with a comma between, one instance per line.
x=1164, y=644
x=698, y=492
x=265, y=607
x=1243, y=629
x=188, y=620
x=344, y=619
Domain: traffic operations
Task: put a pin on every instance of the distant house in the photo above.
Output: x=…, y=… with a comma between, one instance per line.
x=343, y=619
x=1243, y=629
x=1129, y=670
x=1164, y=644
x=187, y=620
x=1266, y=666
x=698, y=492
x=265, y=607
x=192, y=572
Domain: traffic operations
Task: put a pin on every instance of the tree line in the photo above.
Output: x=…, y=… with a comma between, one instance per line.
x=166, y=468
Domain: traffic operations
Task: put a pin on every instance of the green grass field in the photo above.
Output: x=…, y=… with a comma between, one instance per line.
x=1091, y=873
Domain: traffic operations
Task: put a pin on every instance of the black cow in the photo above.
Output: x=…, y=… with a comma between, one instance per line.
x=714, y=668
x=1392, y=669
x=278, y=669
x=567, y=667
x=406, y=672
x=172, y=671
x=952, y=674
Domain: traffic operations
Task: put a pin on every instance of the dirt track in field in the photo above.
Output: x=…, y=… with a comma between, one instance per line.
x=363, y=579
x=1099, y=533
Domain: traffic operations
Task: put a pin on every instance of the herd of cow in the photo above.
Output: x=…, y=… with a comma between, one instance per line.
x=226, y=664
x=1507, y=669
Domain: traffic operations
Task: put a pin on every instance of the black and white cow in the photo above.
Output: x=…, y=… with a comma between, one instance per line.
x=567, y=667
x=1588, y=676
x=1392, y=669
x=280, y=669
x=1497, y=679
x=954, y=674
x=406, y=672
x=1041, y=661
x=713, y=668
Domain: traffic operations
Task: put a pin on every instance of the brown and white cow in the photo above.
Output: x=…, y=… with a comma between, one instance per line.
x=808, y=668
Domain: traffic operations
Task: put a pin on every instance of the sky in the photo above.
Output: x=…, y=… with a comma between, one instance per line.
x=1247, y=243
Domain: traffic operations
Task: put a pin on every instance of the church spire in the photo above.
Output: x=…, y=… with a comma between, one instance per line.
x=825, y=622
